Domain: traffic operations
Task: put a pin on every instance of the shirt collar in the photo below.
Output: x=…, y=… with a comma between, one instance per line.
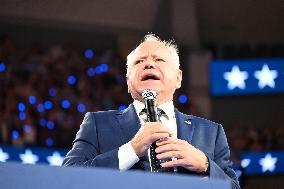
x=138, y=106
x=167, y=107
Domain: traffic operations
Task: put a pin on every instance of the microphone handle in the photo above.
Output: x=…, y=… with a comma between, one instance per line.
x=152, y=112
x=152, y=115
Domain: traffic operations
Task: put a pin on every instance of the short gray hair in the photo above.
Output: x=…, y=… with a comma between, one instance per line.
x=170, y=45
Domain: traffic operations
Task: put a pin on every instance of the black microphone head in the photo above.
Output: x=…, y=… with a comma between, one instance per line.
x=149, y=94
x=149, y=97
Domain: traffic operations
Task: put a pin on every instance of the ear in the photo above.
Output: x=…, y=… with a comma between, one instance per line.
x=179, y=79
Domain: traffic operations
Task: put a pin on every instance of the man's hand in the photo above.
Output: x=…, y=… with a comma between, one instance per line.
x=147, y=134
x=187, y=155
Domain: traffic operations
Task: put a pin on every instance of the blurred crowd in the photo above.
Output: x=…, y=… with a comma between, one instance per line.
x=45, y=92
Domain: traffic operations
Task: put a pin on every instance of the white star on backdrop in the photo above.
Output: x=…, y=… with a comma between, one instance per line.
x=245, y=162
x=268, y=163
x=3, y=156
x=266, y=77
x=28, y=157
x=56, y=159
x=236, y=78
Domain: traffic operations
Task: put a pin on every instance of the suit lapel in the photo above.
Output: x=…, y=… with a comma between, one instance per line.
x=129, y=122
x=185, y=126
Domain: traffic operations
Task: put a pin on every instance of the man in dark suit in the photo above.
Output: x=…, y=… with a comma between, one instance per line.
x=121, y=139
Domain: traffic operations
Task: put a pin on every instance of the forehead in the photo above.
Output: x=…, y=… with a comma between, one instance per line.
x=152, y=48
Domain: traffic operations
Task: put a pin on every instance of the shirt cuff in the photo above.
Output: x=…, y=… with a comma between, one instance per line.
x=126, y=156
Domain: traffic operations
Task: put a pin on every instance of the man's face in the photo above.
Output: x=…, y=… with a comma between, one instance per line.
x=153, y=68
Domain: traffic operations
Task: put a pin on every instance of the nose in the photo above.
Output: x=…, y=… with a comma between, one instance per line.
x=149, y=65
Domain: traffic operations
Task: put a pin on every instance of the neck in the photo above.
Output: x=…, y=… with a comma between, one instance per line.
x=161, y=99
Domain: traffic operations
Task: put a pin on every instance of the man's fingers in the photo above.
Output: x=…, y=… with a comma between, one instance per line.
x=147, y=134
x=165, y=141
x=171, y=140
x=168, y=147
x=162, y=129
x=176, y=163
x=157, y=136
x=170, y=154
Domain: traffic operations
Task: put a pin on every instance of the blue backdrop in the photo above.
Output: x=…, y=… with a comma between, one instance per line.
x=247, y=77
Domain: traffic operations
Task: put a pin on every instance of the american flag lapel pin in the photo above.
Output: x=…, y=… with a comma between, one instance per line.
x=188, y=122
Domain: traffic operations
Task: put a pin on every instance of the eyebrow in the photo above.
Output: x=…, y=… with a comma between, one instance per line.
x=141, y=57
x=144, y=57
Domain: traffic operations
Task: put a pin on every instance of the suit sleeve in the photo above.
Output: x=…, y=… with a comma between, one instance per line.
x=221, y=166
x=85, y=150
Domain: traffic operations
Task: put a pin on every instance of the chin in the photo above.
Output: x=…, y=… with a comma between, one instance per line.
x=155, y=88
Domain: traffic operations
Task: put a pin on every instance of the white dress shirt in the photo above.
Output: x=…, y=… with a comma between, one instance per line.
x=126, y=154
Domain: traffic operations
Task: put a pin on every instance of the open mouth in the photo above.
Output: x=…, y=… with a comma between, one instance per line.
x=150, y=77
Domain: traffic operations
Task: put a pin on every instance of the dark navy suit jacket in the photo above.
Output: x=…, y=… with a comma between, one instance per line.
x=102, y=133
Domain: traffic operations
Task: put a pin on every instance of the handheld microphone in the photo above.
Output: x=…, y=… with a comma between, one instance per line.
x=149, y=96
